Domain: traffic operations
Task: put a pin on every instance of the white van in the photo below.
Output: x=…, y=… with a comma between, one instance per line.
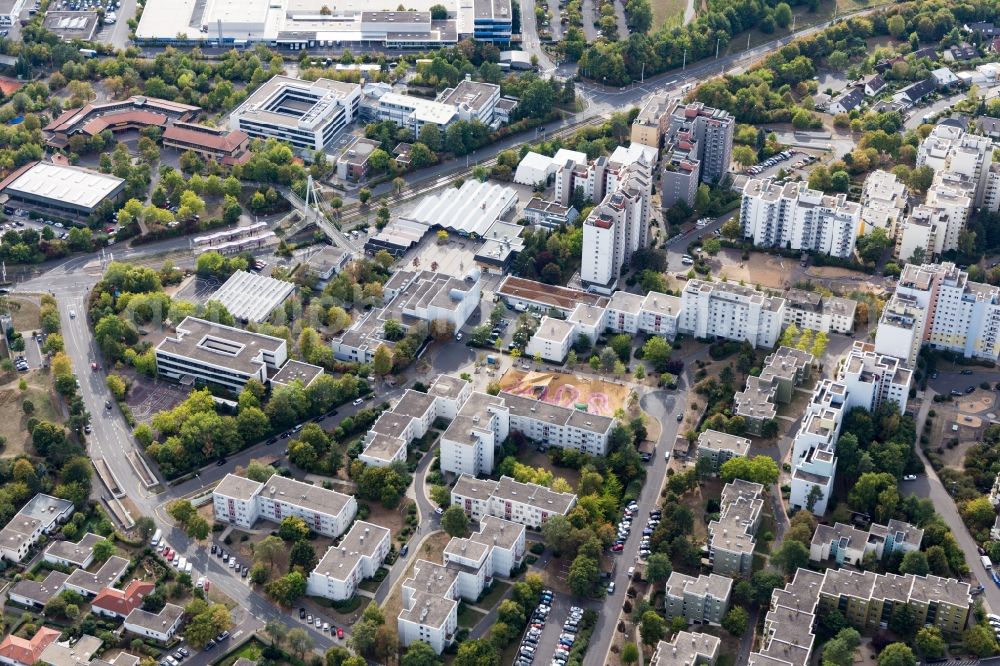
x=156, y=538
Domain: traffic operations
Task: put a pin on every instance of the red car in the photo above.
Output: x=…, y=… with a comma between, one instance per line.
x=617, y=548
x=208, y=585
x=110, y=230
x=340, y=632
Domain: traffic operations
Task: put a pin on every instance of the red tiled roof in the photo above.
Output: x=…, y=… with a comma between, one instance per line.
x=27, y=652
x=124, y=601
x=110, y=120
x=221, y=142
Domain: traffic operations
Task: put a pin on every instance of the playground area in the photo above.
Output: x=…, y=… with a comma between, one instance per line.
x=593, y=396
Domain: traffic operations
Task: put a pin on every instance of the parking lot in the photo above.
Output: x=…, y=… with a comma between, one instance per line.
x=790, y=159
x=550, y=633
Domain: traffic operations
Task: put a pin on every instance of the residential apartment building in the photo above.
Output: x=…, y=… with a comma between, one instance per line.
x=792, y=216
x=479, y=427
x=650, y=126
x=847, y=544
x=823, y=314
x=241, y=502
x=595, y=180
x=561, y=427
x=204, y=352
x=730, y=311
x=883, y=203
x=718, y=447
x=868, y=601
x=431, y=595
x=409, y=419
x=687, y=649
x=304, y=114
x=711, y=131
x=783, y=370
x=552, y=340
x=731, y=538
x=814, y=449
x=873, y=379
x=950, y=149
x=616, y=228
x=357, y=557
x=41, y=515
x=937, y=305
x=701, y=600
x=524, y=503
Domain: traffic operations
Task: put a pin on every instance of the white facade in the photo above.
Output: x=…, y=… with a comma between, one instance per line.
x=617, y=227
x=242, y=502
x=949, y=149
x=211, y=353
x=814, y=450
x=873, y=379
x=730, y=311
x=409, y=419
x=41, y=515
x=524, y=503
x=818, y=313
x=883, y=203
x=357, y=557
x=552, y=340
x=795, y=217
x=962, y=316
x=159, y=626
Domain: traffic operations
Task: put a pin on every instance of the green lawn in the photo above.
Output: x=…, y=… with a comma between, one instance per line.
x=495, y=595
x=670, y=12
x=468, y=617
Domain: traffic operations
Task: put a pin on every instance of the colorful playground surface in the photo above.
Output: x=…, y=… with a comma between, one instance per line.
x=593, y=396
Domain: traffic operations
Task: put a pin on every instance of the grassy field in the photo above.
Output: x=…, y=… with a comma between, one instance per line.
x=26, y=315
x=12, y=416
x=669, y=12
x=468, y=617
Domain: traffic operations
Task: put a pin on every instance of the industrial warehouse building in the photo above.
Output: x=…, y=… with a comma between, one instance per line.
x=62, y=191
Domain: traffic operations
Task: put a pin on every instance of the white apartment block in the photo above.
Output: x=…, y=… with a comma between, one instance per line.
x=701, y=600
x=616, y=228
x=41, y=515
x=823, y=314
x=795, y=217
x=783, y=370
x=409, y=419
x=204, y=352
x=524, y=503
x=430, y=597
x=552, y=340
x=934, y=226
x=718, y=447
x=873, y=379
x=814, y=449
x=991, y=197
x=731, y=537
x=587, y=320
x=476, y=431
x=847, y=544
x=357, y=557
x=950, y=149
x=687, y=649
x=601, y=177
x=962, y=316
x=883, y=203
x=562, y=427
x=730, y=311
x=305, y=114
x=241, y=502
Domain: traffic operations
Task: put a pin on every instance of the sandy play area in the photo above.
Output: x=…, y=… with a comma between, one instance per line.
x=591, y=395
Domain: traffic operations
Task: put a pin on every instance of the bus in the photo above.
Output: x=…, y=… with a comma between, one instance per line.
x=987, y=562
x=88, y=53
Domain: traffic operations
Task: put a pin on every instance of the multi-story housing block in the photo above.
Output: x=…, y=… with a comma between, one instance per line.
x=702, y=600
x=409, y=419
x=883, y=203
x=901, y=328
x=718, y=447
x=711, y=131
x=730, y=311
x=796, y=217
x=814, y=449
x=477, y=429
x=783, y=370
x=731, y=537
x=846, y=543
x=687, y=649
x=812, y=310
x=950, y=149
x=525, y=503
x=357, y=557
x=873, y=379
x=242, y=502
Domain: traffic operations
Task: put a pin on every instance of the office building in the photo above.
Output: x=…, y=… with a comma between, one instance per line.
x=730, y=311
x=883, y=203
x=718, y=447
x=132, y=114
x=203, y=352
x=353, y=162
x=474, y=100
x=252, y=297
x=328, y=261
x=814, y=449
x=874, y=379
x=63, y=191
x=616, y=229
x=210, y=143
x=847, y=544
x=731, y=538
x=823, y=314
x=937, y=305
x=783, y=370
x=305, y=114
x=687, y=649
x=524, y=503
x=549, y=214
x=357, y=557
x=240, y=501
x=792, y=216
x=702, y=600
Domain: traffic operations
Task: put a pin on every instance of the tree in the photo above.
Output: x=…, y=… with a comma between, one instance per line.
x=382, y=361
x=287, y=589
x=420, y=654
x=207, y=621
x=622, y=345
x=658, y=568
x=914, y=562
x=652, y=627
x=930, y=642
x=103, y=550
x=270, y=550
x=790, y=556
x=455, y=522
x=656, y=352
x=783, y=14
x=732, y=229
x=759, y=469
x=736, y=621
x=897, y=654
x=293, y=528
x=978, y=513
x=629, y=654
x=980, y=641
x=745, y=156
x=839, y=650
x=303, y=555
x=583, y=575
x=299, y=642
